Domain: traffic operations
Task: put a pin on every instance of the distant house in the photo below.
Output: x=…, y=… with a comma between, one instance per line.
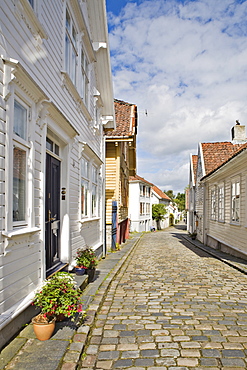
x=190, y=194
x=140, y=204
x=218, y=193
x=56, y=97
x=159, y=197
x=120, y=164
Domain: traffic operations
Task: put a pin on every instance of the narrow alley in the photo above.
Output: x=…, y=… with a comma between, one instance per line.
x=171, y=306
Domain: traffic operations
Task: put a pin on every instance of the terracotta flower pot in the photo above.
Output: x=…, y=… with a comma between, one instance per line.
x=42, y=330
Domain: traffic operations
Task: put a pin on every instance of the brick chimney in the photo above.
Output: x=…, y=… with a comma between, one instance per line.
x=238, y=134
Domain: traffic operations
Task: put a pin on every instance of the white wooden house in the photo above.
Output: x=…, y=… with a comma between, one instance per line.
x=220, y=202
x=140, y=208
x=55, y=97
x=159, y=197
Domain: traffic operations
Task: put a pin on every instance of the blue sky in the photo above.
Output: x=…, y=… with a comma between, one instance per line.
x=185, y=62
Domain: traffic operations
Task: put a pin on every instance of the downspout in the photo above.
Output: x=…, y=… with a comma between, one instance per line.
x=103, y=197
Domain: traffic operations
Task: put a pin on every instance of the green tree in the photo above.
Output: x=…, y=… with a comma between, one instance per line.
x=169, y=193
x=180, y=201
x=158, y=213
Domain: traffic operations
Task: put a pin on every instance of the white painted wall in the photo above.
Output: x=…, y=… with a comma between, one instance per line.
x=33, y=69
x=138, y=222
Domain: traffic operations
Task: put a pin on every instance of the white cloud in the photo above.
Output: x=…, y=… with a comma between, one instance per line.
x=186, y=65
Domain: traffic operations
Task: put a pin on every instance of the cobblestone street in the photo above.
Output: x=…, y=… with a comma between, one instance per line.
x=172, y=306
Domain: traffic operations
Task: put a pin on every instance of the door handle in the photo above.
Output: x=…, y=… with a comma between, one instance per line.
x=51, y=218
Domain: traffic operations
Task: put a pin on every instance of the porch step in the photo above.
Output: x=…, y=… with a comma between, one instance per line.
x=81, y=281
x=57, y=268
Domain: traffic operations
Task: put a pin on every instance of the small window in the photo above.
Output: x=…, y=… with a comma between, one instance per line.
x=70, y=47
x=213, y=204
x=19, y=184
x=84, y=187
x=84, y=77
x=20, y=160
x=20, y=120
x=51, y=146
x=221, y=203
x=236, y=201
x=94, y=191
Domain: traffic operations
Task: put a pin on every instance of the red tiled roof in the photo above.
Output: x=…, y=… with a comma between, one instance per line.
x=194, y=164
x=126, y=119
x=139, y=178
x=160, y=193
x=215, y=154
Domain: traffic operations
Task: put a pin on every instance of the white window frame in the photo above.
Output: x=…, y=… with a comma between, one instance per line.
x=70, y=47
x=221, y=202
x=213, y=203
x=85, y=181
x=147, y=208
x=94, y=192
x=84, y=76
x=23, y=145
x=235, y=201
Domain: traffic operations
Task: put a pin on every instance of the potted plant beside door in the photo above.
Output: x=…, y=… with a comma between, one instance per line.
x=57, y=299
x=86, y=258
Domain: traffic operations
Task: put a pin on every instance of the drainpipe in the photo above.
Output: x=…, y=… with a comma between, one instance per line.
x=103, y=197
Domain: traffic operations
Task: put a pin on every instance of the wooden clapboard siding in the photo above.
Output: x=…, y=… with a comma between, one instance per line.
x=111, y=179
x=2, y=156
x=22, y=265
x=229, y=234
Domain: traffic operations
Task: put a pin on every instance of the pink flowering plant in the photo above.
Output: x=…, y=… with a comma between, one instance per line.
x=86, y=258
x=58, y=295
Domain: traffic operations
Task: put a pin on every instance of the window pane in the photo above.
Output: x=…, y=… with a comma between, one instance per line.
x=84, y=168
x=74, y=35
x=20, y=120
x=67, y=20
x=67, y=47
x=94, y=200
x=49, y=144
x=73, y=67
x=94, y=175
x=31, y=2
x=19, y=184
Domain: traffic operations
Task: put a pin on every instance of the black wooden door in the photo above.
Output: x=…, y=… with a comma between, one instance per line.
x=52, y=213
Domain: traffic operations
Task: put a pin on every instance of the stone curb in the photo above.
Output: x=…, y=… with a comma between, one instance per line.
x=79, y=340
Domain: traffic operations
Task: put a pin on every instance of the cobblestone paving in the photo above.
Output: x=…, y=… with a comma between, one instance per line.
x=171, y=307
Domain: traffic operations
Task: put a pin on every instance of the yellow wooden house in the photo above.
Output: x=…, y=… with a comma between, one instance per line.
x=120, y=164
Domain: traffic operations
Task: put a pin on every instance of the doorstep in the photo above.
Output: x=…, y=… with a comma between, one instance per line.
x=81, y=280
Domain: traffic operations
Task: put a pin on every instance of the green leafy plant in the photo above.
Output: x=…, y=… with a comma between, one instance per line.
x=58, y=295
x=193, y=235
x=158, y=213
x=86, y=258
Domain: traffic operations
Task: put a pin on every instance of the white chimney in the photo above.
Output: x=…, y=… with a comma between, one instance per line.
x=238, y=134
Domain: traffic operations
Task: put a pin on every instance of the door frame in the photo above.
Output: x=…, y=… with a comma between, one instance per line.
x=52, y=213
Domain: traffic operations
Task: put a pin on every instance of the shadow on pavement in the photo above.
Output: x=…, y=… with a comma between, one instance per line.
x=206, y=251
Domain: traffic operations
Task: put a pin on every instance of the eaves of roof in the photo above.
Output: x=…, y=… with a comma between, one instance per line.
x=137, y=178
x=241, y=150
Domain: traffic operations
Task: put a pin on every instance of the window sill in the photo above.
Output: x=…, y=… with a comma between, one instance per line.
x=20, y=231
x=66, y=81
x=84, y=220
